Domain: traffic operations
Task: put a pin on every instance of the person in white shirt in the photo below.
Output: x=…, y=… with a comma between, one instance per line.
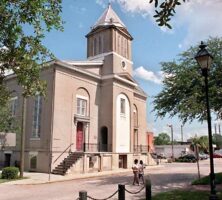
x=135, y=169
x=141, y=171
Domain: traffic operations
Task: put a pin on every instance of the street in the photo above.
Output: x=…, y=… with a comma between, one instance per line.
x=168, y=176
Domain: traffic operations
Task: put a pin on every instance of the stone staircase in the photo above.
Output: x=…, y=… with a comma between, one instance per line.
x=67, y=163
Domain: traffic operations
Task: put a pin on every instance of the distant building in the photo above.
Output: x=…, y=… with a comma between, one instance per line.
x=178, y=150
x=94, y=115
x=150, y=141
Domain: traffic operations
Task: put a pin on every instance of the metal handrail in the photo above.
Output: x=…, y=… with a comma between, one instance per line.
x=63, y=152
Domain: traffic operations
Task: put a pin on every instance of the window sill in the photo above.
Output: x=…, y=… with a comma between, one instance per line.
x=35, y=139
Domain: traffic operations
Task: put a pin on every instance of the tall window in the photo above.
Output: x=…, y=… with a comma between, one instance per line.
x=81, y=106
x=125, y=47
x=13, y=103
x=100, y=44
x=119, y=45
x=122, y=106
x=36, y=123
x=95, y=46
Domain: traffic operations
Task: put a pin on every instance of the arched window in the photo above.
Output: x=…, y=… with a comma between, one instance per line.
x=135, y=116
x=82, y=102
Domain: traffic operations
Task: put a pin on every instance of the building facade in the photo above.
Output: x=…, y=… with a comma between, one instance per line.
x=94, y=115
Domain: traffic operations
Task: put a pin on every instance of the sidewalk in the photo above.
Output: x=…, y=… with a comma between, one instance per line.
x=41, y=178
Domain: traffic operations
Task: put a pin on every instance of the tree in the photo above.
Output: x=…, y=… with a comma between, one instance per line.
x=201, y=142
x=8, y=123
x=165, y=11
x=22, y=52
x=217, y=139
x=162, y=139
x=183, y=86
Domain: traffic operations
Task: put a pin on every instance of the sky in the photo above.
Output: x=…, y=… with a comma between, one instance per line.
x=194, y=21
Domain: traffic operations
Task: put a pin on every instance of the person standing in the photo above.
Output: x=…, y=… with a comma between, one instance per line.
x=135, y=169
x=141, y=171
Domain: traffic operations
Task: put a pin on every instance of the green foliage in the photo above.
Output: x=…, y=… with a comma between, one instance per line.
x=202, y=143
x=183, y=91
x=162, y=139
x=206, y=180
x=10, y=173
x=22, y=52
x=217, y=139
x=165, y=11
x=8, y=123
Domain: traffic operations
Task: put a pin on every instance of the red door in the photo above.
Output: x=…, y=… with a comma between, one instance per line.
x=79, y=136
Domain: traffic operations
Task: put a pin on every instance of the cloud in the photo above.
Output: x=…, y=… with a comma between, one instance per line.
x=101, y=3
x=142, y=7
x=201, y=18
x=147, y=75
x=80, y=25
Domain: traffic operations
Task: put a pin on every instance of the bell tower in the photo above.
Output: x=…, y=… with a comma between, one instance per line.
x=110, y=41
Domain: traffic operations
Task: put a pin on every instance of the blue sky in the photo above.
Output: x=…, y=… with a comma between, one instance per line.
x=195, y=20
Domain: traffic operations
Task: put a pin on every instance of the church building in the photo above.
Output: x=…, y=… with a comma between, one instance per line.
x=94, y=115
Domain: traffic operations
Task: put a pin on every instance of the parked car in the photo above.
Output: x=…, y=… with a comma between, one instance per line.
x=158, y=156
x=203, y=156
x=161, y=156
x=217, y=155
x=187, y=158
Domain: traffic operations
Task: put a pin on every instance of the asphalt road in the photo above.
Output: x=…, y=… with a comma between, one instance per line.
x=166, y=177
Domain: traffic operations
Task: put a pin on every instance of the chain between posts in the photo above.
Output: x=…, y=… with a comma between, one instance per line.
x=104, y=198
x=114, y=194
x=134, y=192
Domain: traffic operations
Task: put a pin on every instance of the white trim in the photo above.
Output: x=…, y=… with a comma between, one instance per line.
x=119, y=78
x=13, y=98
x=87, y=62
x=82, y=97
x=74, y=68
x=33, y=153
x=35, y=139
x=102, y=55
x=7, y=152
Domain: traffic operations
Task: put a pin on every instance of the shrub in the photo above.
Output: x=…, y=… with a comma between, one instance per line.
x=206, y=180
x=10, y=173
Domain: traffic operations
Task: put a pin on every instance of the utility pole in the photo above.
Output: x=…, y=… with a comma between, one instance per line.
x=172, y=146
x=181, y=133
x=22, y=153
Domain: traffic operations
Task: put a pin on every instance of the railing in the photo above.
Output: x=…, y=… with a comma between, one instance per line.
x=140, y=148
x=62, y=153
x=96, y=147
x=121, y=192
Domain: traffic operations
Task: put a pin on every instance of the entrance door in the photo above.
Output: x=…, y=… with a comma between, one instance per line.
x=79, y=136
x=7, y=160
x=104, y=139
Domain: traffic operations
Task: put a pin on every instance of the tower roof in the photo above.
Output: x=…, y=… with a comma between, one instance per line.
x=109, y=17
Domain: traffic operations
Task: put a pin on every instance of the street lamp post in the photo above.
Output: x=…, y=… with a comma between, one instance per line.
x=181, y=133
x=204, y=59
x=171, y=128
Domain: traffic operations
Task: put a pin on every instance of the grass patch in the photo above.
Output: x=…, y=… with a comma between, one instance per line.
x=206, y=180
x=9, y=180
x=184, y=195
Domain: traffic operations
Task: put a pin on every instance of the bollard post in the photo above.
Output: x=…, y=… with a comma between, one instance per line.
x=148, y=188
x=82, y=195
x=121, y=192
